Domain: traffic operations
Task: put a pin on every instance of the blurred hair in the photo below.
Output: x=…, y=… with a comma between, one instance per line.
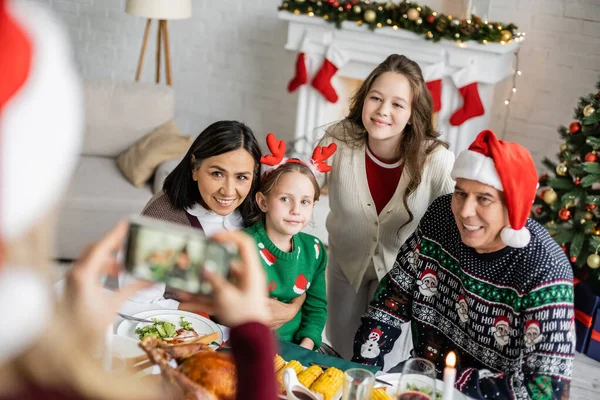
x=272, y=178
x=218, y=138
x=418, y=139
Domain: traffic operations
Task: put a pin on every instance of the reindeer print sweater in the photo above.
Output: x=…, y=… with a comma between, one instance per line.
x=507, y=315
x=289, y=275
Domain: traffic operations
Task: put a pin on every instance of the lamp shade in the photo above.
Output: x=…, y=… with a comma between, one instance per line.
x=160, y=9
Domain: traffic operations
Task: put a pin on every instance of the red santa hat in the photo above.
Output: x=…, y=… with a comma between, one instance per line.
x=428, y=273
x=461, y=297
x=501, y=320
x=532, y=323
x=376, y=331
x=41, y=120
x=508, y=167
x=302, y=284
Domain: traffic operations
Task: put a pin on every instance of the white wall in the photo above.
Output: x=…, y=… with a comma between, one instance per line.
x=229, y=61
x=560, y=60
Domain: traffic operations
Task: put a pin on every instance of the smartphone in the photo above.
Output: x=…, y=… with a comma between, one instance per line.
x=166, y=252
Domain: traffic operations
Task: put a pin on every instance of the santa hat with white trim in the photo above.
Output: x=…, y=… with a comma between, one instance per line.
x=41, y=121
x=508, y=167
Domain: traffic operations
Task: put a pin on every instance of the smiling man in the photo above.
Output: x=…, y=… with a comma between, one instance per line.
x=479, y=278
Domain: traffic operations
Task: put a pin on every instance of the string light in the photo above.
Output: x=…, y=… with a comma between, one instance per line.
x=508, y=100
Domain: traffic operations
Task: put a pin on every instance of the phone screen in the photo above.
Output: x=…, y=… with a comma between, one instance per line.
x=173, y=255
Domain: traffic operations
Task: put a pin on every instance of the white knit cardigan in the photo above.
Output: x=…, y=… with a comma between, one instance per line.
x=357, y=234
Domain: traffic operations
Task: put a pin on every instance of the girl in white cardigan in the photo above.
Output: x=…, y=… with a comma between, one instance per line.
x=388, y=168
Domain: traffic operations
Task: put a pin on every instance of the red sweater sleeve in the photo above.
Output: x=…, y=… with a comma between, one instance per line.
x=254, y=349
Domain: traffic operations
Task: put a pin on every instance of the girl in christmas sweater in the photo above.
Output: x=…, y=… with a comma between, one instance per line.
x=294, y=261
x=389, y=167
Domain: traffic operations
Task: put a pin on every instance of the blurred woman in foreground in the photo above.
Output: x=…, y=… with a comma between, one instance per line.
x=47, y=344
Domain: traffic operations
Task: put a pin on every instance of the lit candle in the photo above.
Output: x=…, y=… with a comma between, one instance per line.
x=449, y=376
x=469, y=4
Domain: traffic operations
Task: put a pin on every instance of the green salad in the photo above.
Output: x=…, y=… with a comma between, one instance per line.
x=424, y=390
x=162, y=329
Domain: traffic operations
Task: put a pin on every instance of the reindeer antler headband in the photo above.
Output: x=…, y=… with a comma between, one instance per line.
x=317, y=163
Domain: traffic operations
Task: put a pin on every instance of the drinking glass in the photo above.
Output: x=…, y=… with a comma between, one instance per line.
x=358, y=384
x=417, y=381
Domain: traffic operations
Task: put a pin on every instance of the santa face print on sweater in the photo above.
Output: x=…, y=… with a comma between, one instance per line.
x=533, y=334
x=371, y=347
x=462, y=309
x=428, y=283
x=501, y=330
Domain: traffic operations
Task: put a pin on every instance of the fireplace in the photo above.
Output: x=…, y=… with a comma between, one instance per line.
x=488, y=64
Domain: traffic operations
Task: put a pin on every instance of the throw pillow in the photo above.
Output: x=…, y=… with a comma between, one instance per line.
x=164, y=143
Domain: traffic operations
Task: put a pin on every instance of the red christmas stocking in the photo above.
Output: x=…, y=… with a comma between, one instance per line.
x=301, y=76
x=433, y=74
x=334, y=60
x=472, y=106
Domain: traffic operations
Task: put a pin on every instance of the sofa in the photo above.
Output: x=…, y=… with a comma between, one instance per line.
x=117, y=114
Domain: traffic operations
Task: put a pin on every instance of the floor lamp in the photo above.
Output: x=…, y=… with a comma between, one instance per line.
x=161, y=10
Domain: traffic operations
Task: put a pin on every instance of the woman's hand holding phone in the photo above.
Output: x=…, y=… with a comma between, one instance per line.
x=240, y=302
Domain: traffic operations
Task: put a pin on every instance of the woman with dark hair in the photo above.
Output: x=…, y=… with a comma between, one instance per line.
x=213, y=187
x=389, y=166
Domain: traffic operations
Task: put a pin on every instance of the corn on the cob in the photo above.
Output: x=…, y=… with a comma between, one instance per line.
x=292, y=364
x=279, y=362
x=380, y=394
x=310, y=375
x=328, y=383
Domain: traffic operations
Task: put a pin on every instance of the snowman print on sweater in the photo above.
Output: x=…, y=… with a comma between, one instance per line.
x=371, y=347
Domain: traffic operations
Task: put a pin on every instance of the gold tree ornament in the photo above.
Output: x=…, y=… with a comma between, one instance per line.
x=588, y=110
x=562, y=169
x=593, y=260
x=550, y=196
x=505, y=35
x=564, y=147
x=412, y=14
x=588, y=215
x=370, y=15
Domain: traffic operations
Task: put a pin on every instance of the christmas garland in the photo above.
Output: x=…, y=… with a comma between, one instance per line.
x=407, y=15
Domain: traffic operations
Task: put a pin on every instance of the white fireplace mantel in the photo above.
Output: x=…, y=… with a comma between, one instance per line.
x=366, y=49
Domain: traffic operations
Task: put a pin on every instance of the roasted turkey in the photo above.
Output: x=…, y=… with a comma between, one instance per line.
x=201, y=373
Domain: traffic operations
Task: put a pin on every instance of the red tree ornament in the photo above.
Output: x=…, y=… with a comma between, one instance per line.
x=573, y=259
x=591, y=207
x=543, y=179
x=577, y=181
x=564, y=214
x=430, y=18
x=574, y=127
x=539, y=210
x=591, y=157
x=564, y=248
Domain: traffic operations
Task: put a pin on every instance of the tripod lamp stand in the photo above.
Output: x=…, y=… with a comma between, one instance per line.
x=161, y=10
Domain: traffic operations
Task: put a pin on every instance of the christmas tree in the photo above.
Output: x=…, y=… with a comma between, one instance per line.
x=568, y=204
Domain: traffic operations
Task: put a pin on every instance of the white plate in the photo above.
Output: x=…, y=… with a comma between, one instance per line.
x=394, y=378
x=203, y=326
x=127, y=348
